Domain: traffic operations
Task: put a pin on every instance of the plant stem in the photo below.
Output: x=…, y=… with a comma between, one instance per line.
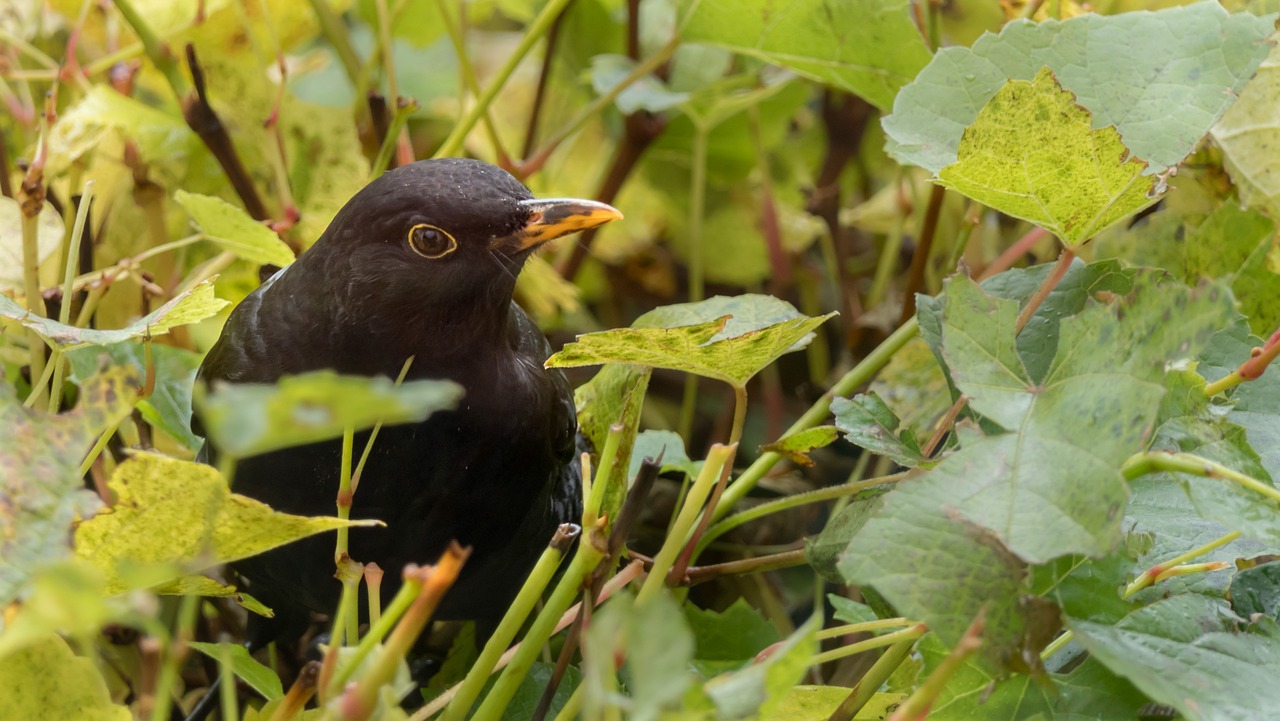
x=600, y=478
x=1155, y=461
x=1155, y=574
x=453, y=144
x=1057, y=644
x=924, y=247
x=64, y=311
x=861, y=373
x=793, y=501
x=1257, y=363
x=592, y=547
x=336, y=33
x=863, y=627
x=918, y=704
x=1020, y=247
x=373, y=434
x=758, y=564
x=404, y=109
x=345, y=495
x=469, y=78
x=187, y=611
x=873, y=679
x=887, y=263
x=511, y=623
x=697, y=210
x=909, y=634
x=675, y=541
x=1055, y=276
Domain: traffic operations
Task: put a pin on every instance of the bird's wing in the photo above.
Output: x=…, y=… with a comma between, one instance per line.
x=532, y=345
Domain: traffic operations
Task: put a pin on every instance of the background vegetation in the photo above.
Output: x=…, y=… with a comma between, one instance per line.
x=1014, y=459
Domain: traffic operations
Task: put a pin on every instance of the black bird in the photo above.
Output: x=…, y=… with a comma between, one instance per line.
x=422, y=262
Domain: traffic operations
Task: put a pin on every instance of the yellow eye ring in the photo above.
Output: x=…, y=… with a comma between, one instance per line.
x=431, y=242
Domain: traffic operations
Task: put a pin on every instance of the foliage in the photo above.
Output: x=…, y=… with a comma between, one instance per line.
x=979, y=321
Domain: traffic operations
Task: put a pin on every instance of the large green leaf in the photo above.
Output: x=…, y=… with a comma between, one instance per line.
x=1161, y=78
x=245, y=419
x=1032, y=154
x=169, y=405
x=720, y=348
x=233, y=229
x=175, y=517
x=1184, y=651
x=192, y=306
x=867, y=47
x=41, y=491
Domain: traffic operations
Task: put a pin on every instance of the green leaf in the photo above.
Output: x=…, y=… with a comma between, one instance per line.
x=715, y=349
x=246, y=419
x=796, y=446
x=1238, y=245
x=615, y=395
x=762, y=687
x=168, y=408
x=658, y=646
x=850, y=611
x=648, y=93
x=867, y=48
x=1184, y=652
x=176, y=517
x=975, y=693
x=246, y=667
x=1248, y=132
x=733, y=636
x=48, y=681
x=192, y=306
x=81, y=127
x=1031, y=153
x=40, y=482
x=667, y=444
x=49, y=232
x=64, y=597
x=1162, y=79
x=1256, y=590
x=233, y=229
x=868, y=423
x=825, y=551
x=818, y=703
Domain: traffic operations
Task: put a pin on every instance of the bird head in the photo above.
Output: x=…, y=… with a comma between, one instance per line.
x=445, y=236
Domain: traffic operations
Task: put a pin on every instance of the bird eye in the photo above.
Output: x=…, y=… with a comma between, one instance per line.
x=431, y=242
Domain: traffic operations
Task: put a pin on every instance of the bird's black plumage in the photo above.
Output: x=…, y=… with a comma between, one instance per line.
x=422, y=262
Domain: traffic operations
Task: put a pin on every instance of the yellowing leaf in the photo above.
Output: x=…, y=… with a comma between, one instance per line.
x=1248, y=135
x=80, y=129
x=737, y=338
x=41, y=491
x=1033, y=154
x=50, y=232
x=245, y=419
x=190, y=307
x=172, y=515
x=48, y=681
x=233, y=229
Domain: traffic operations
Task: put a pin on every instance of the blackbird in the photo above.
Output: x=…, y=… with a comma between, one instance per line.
x=422, y=262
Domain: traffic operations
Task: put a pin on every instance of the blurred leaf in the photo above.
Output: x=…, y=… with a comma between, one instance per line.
x=168, y=408
x=868, y=423
x=762, y=688
x=870, y=49
x=41, y=490
x=658, y=646
x=796, y=446
x=1184, y=651
x=64, y=597
x=189, y=307
x=80, y=128
x=1239, y=245
x=530, y=691
x=667, y=444
x=648, y=93
x=205, y=586
x=825, y=550
x=1248, y=133
x=233, y=229
x=1061, y=175
x=1161, y=78
x=50, y=231
x=246, y=419
x=717, y=349
x=259, y=677
x=48, y=681
x=973, y=692
x=171, y=515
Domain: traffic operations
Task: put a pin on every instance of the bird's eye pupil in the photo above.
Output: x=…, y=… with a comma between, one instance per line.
x=431, y=242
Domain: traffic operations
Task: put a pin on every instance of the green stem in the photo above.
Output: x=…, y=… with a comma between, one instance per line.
x=469, y=75
x=373, y=434
x=404, y=109
x=453, y=144
x=572, y=707
x=863, y=627
x=591, y=549
x=377, y=632
x=1157, y=461
x=697, y=209
x=689, y=512
x=345, y=494
x=600, y=478
x=336, y=33
x=860, y=374
x=228, y=685
x=873, y=679
x=539, y=578
x=1152, y=575
x=1057, y=644
x=889, y=639
x=187, y=611
x=97, y=449
x=31, y=287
